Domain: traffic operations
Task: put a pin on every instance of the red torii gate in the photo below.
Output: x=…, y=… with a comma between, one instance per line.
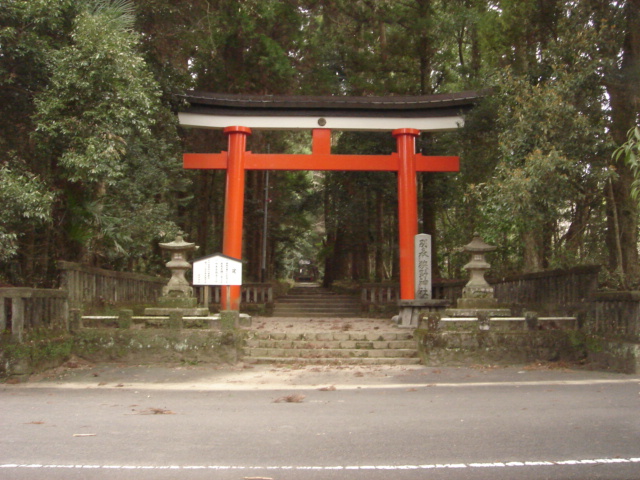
x=238, y=114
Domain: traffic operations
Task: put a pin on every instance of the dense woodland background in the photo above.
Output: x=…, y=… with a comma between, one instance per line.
x=90, y=150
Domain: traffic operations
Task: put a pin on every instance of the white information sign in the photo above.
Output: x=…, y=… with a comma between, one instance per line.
x=217, y=269
x=423, y=266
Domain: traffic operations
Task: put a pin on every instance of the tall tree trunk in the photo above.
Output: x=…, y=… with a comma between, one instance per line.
x=623, y=89
x=425, y=49
x=429, y=216
x=574, y=237
x=379, y=254
x=532, y=252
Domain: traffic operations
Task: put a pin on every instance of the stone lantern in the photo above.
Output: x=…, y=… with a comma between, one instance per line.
x=477, y=293
x=177, y=295
x=478, y=296
x=178, y=285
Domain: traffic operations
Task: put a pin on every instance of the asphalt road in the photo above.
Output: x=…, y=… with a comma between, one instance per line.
x=116, y=422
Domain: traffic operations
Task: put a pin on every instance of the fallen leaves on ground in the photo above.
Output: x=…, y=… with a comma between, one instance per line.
x=153, y=411
x=548, y=366
x=485, y=367
x=295, y=398
x=328, y=389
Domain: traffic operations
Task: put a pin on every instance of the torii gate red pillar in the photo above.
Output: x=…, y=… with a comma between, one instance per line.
x=407, y=208
x=234, y=206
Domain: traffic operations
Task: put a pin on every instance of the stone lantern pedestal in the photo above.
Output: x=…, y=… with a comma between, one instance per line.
x=177, y=295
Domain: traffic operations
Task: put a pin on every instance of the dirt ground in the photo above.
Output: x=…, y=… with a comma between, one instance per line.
x=308, y=325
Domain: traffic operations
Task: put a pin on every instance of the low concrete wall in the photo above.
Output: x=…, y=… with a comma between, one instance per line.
x=19, y=360
x=158, y=346
x=35, y=354
x=464, y=348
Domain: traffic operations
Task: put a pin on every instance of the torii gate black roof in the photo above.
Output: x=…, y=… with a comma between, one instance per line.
x=293, y=105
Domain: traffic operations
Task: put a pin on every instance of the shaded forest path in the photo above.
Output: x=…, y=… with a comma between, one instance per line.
x=309, y=300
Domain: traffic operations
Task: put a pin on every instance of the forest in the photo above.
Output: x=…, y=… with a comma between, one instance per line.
x=91, y=151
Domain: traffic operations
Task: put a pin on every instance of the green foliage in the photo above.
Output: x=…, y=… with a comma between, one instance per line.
x=100, y=98
x=629, y=153
x=25, y=201
x=102, y=121
x=90, y=155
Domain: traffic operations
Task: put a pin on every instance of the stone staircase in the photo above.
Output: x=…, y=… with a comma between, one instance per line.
x=310, y=300
x=332, y=348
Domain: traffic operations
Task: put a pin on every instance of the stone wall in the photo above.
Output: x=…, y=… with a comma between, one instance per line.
x=158, y=346
x=465, y=348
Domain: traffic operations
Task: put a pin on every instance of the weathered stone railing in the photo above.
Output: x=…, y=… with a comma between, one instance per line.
x=250, y=293
x=89, y=286
x=379, y=293
x=389, y=293
x=448, y=290
x=617, y=315
x=28, y=308
x=557, y=290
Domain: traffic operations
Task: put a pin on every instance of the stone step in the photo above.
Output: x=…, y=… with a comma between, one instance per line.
x=327, y=347
x=319, y=300
x=332, y=361
x=298, y=312
x=307, y=314
x=333, y=336
x=333, y=345
x=318, y=306
x=302, y=301
x=330, y=353
x=316, y=315
x=309, y=293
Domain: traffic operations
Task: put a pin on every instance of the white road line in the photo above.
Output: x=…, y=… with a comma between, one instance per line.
x=252, y=386
x=451, y=466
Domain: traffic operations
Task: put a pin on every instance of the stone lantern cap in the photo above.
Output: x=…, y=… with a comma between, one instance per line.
x=178, y=244
x=477, y=245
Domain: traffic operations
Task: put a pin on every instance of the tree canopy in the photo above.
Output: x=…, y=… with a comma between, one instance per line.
x=90, y=164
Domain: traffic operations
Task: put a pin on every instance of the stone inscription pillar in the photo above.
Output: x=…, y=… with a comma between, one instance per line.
x=423, y=266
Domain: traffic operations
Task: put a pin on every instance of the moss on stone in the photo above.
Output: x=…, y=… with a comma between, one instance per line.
x=159, y=345
x=39, y=349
